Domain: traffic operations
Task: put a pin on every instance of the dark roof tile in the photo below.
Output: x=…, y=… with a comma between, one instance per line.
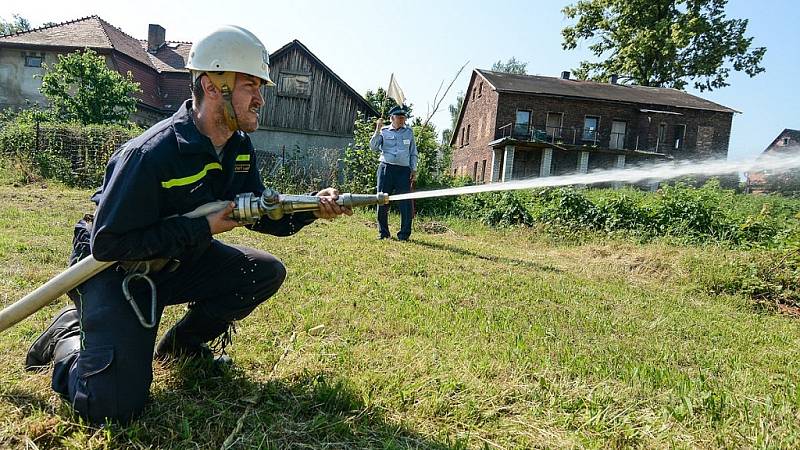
x=532, y=84
x=85, y=32
x=170, y=57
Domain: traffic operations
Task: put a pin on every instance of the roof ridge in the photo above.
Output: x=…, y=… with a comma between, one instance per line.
x=104, y=22
x=167, y=42
x=52, y=25
x=633, y=93
x=105, y=33
x=601, y=83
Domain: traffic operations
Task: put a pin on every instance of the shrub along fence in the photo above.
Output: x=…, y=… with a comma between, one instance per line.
x=74, y=154
x=300, y=172
x=77, y=155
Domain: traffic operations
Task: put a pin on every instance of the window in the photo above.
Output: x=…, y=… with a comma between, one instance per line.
x=473, y=93
x=294, y=84
x=678, y=136
x=618, y=130
x=554, y=124
x=480, y=89
x=468, y=129
x=785, y=141
x=33, y=61
x=463, y=132
x=662, y=135
x=475, y=172
x=590, y=124
x=522, y=124
x=483, y=171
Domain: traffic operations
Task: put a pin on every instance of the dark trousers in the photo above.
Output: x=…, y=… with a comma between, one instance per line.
x=109, y=379
x=394, y=180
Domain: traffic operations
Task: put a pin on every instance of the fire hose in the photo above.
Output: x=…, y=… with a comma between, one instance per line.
x=248, y=209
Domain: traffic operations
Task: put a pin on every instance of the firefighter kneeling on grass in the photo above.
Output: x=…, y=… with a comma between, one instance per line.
x=102, y=347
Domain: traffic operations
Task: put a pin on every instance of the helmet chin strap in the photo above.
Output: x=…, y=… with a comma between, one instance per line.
x=224, y=81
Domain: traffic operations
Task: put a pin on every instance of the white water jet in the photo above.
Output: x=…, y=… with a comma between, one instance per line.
x=651, y=172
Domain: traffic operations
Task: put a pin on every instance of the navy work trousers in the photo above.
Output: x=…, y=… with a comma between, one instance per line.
x=110, y=377
x=394, y=180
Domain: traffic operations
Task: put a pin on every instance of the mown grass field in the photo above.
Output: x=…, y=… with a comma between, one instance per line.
x=466, y=337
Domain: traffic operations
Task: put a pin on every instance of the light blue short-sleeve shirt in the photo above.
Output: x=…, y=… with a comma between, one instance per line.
x=397, y=146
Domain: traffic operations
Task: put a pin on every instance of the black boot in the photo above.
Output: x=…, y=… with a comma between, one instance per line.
x=66, y=347
x=65, y=324
x=189, y=337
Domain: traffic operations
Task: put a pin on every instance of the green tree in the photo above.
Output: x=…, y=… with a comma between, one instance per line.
x=429, y=164
x=361, y=162
x=511, y=66
x=81, y=88
x=380, y=101
x=665, y=43
x=17, y=24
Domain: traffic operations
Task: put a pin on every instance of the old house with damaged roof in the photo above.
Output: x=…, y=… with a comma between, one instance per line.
x=787, y=143
x=519, y=126
x=156, y=64
x=310, y=107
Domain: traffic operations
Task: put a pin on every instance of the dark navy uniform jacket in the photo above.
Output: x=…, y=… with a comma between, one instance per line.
x=171, y=169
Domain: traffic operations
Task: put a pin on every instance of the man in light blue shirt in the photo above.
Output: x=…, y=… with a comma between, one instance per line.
x=397, y=170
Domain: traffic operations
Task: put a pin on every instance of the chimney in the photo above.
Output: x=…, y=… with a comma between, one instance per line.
x=155, y=37
x=614, y=78
x=565, y=75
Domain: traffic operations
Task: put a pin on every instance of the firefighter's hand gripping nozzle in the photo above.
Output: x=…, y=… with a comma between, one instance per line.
x=250, y=208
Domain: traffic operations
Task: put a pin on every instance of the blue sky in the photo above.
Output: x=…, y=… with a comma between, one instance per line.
x=425, y=42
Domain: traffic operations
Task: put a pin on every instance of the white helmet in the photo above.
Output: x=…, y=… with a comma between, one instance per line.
x=230, y=49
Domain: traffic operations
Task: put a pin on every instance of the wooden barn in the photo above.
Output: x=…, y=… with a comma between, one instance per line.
x=310, y=108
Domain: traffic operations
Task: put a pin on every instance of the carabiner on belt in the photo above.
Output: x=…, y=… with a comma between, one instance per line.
x=153, y=297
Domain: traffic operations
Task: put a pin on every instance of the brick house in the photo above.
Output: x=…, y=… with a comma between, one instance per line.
x=520, y=126
x=787, y=142
x=156, y=64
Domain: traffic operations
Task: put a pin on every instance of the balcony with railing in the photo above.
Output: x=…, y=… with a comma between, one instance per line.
x=569, y=136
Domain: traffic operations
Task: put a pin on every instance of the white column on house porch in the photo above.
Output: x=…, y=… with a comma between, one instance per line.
x=497, y=159
x=583, y=162
x=508, y=163
x=547, y=162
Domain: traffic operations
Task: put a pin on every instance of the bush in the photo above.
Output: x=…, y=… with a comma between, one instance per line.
x=361, y=162
x=499, y=208
x=704, y=214
x=622, y=212
x=567, y=207
x=74, y=154
x=682, y=210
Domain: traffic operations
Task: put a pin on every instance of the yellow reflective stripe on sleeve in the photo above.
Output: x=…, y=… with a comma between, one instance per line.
x=243, y=157
x=191, y=178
